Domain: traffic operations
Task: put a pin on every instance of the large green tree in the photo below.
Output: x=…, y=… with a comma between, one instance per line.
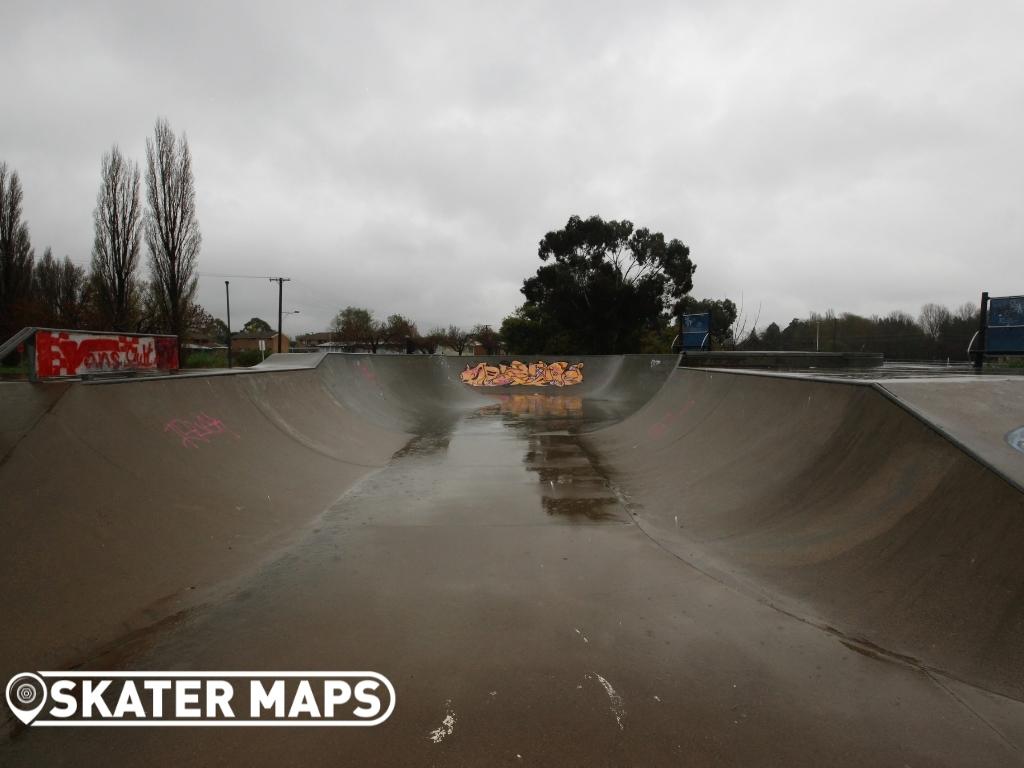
x=355, y=325
x=257, y=325
x=603, y=285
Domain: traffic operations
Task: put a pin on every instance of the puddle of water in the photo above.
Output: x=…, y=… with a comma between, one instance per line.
x=515, y=461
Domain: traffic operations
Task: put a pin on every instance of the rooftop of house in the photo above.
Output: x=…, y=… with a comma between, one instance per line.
x=255, y=335
x=316, y=337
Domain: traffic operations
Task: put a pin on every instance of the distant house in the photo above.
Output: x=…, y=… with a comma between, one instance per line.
x=251, y=340
x=476, y=349
x=313, y=341
x=203, y=341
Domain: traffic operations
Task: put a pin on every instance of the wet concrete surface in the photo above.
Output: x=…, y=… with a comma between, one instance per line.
x=492, y=573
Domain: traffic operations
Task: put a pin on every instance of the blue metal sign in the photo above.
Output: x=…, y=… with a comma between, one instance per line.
x=1005, y=333
x=696, y=331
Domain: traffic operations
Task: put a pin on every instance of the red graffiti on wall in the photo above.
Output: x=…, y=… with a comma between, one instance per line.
x=68, y=353
x=199, y=429
x=661, y=427
x=366, y=372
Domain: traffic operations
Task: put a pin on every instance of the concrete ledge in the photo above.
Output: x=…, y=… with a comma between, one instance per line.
x=781, y=360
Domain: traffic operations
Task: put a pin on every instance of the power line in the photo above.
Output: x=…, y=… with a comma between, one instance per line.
x=237, y=277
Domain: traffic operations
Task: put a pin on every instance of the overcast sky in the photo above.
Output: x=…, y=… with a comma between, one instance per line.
x=861, y=156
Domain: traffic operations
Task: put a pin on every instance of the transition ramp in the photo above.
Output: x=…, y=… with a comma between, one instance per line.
x=650, y=565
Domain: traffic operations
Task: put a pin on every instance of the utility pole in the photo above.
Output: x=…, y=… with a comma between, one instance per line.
x=227, y=294
x=280, y=306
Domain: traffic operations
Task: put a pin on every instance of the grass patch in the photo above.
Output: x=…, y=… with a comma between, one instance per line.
x=218, y=358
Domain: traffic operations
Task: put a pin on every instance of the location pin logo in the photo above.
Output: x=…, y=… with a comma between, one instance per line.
x=26, y=696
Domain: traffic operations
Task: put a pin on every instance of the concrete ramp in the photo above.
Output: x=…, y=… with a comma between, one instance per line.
x=833, y=502
x=653, y=566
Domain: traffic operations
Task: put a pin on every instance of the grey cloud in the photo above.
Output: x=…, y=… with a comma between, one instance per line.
x=860, y=156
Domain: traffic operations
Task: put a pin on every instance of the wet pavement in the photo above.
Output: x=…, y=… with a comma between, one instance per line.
x=493, y=574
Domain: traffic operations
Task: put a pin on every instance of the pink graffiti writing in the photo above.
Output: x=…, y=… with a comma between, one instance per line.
x=660, y=428
x=199, y=429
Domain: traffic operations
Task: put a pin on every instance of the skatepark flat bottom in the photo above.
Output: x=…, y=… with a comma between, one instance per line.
x=659, y=567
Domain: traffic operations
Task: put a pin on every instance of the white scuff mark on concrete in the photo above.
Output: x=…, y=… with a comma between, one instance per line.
x=657, y=698
x=1016, y=439
x=614, y=699
x=494, y=693
x=447, y=725
x=585, y=640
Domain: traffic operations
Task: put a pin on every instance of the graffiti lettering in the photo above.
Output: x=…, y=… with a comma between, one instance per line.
x=539, y=374
x=64, y=353
x=200, y=429
x=661, y=427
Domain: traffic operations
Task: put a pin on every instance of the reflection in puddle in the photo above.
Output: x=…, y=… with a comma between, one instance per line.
x=599, y=509
x=571, y=487
x=537, y=405
x=424, y=444
x=473, y=467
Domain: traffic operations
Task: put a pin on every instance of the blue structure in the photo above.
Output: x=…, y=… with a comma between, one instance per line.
x=695, y=332
x=1005, y=332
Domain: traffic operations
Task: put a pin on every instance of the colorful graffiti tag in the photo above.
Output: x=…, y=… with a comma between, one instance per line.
x=199, y=429
x=68, y=353
x=516, y=373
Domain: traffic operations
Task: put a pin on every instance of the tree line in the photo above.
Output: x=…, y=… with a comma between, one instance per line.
x=937, y=333
x=608, y=287
x=357, y=327
x=604, y=286
x=112, y=295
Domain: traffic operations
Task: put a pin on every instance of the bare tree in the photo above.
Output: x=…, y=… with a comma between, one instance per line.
x=16, y=256
x=399, y=328
x=73, y=294
x=172, y=231
x=355, y=325
x=967, y=311
x=435, y=338
x=487, y=338
x=46, y=286
x=61, y=291
x=456, y=338
x=934, y=317
x=117, y=222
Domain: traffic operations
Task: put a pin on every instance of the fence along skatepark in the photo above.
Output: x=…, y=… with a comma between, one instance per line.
x=658, y=565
